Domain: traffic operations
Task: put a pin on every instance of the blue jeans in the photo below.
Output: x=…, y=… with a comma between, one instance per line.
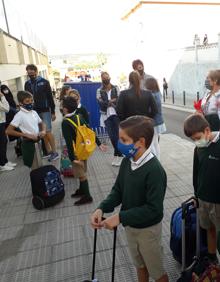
x=46, y=118
x=112, y=126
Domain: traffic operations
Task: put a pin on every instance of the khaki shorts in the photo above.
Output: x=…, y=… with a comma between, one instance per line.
x=78, y=170
x=209, y=215
x=145, y=248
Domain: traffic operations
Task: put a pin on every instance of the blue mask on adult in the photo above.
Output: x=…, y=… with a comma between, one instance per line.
x=128, y=150
x=28, y=107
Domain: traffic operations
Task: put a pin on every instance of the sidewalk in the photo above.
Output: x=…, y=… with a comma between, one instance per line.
x=56, y=244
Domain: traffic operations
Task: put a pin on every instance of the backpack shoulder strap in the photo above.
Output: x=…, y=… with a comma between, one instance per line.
x=78, y=120
x=72, y=122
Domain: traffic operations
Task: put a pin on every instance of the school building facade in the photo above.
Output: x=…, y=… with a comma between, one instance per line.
x=19, y=46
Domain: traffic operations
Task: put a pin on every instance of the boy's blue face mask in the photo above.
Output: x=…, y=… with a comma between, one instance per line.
x=28, y=107
x=128, y=150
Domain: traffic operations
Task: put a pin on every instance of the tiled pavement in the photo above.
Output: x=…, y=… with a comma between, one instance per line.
x=55, y=244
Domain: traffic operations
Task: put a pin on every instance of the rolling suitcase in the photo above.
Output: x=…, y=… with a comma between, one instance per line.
x=188, y=213
x=201, y=269
x=94, y=257
x=47, y=185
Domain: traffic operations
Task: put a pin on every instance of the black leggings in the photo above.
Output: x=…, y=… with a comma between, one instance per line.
x=3, y=145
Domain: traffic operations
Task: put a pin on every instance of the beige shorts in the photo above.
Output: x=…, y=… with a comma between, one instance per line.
x=209, y=215
x=78, y=170
x=145, y=248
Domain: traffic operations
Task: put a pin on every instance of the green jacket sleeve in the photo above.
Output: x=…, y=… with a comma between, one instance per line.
x=69, y=135
x=153, y=207
x=195, y=171
x=113, y=199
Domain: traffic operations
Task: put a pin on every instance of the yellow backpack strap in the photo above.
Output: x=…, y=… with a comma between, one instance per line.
x=72, y=122
x=78, y=120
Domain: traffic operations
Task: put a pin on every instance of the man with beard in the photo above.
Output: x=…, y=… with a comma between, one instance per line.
x=44, y=105
x=107, y=96
x=139, y=67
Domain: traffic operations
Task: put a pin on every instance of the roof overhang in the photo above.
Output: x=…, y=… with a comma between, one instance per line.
x=141, y=3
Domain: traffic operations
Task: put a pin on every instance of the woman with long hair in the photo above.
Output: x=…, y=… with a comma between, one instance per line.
x=135, y=101
x=159, y=125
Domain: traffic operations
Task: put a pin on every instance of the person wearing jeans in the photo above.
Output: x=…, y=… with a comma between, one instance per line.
x=107, y=97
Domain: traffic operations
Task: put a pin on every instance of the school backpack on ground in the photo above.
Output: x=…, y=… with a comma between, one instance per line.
x=85, y=140
x=47, y=185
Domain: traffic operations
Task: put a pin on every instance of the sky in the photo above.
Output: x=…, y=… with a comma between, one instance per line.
x=155, y=33
x=79, y=26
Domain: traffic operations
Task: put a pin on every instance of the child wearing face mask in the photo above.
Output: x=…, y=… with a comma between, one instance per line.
x=206, y=167
x=31, y=126
x=80, y=109
x=139, y=189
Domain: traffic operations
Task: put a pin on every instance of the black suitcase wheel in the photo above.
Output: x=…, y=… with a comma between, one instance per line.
x=38, y=203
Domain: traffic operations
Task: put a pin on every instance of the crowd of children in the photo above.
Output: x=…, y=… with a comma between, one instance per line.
x=141, y=182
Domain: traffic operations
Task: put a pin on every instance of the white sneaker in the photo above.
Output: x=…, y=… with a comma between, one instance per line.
x=114, y=161
x=118, y=161
x=11, y=164
x=6, y=168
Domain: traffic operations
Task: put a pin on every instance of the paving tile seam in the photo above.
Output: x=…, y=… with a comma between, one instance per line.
x=56, y=261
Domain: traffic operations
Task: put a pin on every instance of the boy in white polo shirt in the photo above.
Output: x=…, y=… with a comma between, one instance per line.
x=31, y=126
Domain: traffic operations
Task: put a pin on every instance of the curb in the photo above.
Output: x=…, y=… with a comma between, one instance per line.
x=178, y=108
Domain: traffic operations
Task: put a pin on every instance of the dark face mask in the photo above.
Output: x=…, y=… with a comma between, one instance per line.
x=32, y=77
x=106, y=82
x=28, y=107
x=141, y=72
x=207, y=85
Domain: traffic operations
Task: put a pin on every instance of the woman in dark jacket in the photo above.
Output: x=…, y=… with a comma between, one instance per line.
x=135, y=101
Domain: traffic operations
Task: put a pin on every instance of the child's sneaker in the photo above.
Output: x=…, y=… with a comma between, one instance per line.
x=46, y=156
x=6, y=168
x=84, y=200
x=118, y=161
x=53, y=157
x=78, y=193
x=114, y=161
x=11, y=164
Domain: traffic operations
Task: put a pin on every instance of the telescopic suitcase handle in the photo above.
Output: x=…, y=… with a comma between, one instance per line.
x=185, y=207
x=94, y=254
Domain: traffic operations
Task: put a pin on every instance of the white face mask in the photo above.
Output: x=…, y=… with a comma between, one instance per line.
x=201, y=143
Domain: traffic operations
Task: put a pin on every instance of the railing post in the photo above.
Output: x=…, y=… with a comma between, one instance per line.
x=184, y=98
x=197, y=94
x=173, y=100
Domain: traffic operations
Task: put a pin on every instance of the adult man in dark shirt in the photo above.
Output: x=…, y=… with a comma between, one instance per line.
x=44, y=106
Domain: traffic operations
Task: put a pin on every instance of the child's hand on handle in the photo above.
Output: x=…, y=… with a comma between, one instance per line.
x=96, y=219
x=42, y=133
x=111, y=222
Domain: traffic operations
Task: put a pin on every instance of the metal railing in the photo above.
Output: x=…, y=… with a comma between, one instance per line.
x=180, y=99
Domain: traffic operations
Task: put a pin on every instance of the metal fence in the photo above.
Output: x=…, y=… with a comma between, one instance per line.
x=181, y=99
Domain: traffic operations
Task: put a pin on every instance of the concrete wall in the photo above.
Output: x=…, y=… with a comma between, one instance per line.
x=191, y=71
